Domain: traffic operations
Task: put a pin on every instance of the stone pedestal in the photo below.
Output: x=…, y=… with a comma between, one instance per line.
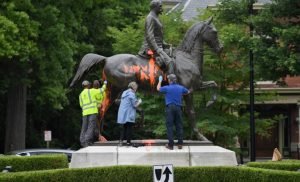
x=194, y=153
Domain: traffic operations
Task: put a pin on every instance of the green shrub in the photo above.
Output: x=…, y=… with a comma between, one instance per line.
x=145, y=174
x=33, y=163
x=287, y=165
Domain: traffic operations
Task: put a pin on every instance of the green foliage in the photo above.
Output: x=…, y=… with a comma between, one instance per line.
x=154, y=120
x=286, y=8
x=39, y=43
x=276, y=35
x=127, y=40
x=285, y=165
x=117, y=14
x=17, y=33
x=232, y=11
x=130, y=38
x=145, y=173
x=174, y=28
x=34, y=163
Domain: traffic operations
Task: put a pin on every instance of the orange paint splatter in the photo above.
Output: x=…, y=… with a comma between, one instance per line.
x=103, y=76
x=148, y=144
x=106, y=100
x=105, y=103
x=145, y=73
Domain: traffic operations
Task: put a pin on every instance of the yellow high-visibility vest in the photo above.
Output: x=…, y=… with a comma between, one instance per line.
x=88, y=102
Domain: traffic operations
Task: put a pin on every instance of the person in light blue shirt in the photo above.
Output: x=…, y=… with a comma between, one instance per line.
x=173, y=100
x=127, y=112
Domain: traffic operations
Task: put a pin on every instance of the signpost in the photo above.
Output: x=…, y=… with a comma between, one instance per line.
x=163, y=173
x=252, y=120
x=48, y=137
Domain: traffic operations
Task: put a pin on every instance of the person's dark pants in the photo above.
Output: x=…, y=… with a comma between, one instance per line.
x=126, y=132
x=89, y=130
x=174, y=117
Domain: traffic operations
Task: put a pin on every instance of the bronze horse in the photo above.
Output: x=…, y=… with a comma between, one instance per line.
x=121, y=69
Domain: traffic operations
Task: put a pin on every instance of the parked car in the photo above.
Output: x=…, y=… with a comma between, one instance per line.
x=41, y=151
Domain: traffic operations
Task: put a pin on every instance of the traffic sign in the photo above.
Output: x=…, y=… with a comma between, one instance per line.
x=47, y=136
x=163, y=173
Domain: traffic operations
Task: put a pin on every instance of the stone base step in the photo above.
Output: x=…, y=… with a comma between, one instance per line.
x=189, y=155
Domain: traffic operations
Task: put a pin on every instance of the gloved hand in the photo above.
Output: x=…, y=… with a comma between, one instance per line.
x=159, y=50
x=105, y=82
x=160, y=78
x=139, y=101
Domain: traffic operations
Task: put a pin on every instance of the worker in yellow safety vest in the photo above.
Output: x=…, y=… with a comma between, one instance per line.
x=88, y=104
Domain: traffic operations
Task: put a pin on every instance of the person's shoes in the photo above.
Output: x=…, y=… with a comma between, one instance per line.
x=128, y=144
x=179, y=146
x=169, y=147
x=136, y=145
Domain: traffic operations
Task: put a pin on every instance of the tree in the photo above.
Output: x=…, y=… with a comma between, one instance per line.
x=228, y=118
x=38, y=54
x=278, y=29
x=18, y=35
x=62, y=32
x=276, y=38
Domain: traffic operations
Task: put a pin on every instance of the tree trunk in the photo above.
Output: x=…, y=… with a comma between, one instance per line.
x=16, y=118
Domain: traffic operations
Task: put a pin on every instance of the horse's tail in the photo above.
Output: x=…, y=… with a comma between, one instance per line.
x=87, y=62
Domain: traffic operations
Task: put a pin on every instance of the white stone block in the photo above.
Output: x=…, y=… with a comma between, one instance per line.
x=212, y=156
x=153, y=155
x=93, y=156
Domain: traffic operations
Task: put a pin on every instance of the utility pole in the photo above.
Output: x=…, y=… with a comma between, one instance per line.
x=252, y=121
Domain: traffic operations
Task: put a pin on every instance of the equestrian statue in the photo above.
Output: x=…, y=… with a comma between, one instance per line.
x=153, y=60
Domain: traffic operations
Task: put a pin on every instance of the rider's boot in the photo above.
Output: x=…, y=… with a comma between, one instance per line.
x=159, y=62
x=171, y=67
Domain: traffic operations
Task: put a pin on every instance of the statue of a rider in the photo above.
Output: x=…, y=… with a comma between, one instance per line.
x=153, y=40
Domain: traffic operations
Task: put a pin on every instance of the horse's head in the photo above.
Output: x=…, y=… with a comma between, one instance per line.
x=209, y=35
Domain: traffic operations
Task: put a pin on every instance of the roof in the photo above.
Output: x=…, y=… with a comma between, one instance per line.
x=192, y=8
x=288, y=90
x=287, y=82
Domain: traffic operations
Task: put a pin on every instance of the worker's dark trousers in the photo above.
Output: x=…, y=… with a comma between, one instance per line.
x=89, y=130
x=174, y=117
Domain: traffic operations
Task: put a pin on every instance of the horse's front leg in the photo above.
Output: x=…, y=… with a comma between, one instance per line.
x=111, y=95
x=192, y=117
x=213, y=85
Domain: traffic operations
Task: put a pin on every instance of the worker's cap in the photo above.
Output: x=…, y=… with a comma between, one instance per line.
x=96, y=83
x=85, y=83
x=172, y=77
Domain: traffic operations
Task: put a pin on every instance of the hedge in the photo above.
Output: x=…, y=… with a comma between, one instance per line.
x=145, y=174
x=32, y=163
x=287, y=165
